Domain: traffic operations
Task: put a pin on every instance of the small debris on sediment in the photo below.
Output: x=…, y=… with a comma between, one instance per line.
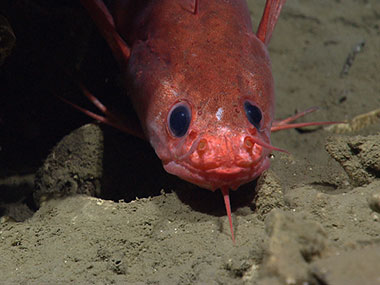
x=351, y=57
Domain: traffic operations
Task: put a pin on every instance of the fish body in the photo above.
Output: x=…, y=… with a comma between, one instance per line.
x=201, y=84
x=211, y=63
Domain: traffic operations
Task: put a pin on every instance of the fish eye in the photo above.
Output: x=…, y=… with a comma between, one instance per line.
x=253, y=114
x=179, y=119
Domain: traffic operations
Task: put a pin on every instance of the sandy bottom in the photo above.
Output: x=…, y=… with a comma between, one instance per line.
x=99, y=208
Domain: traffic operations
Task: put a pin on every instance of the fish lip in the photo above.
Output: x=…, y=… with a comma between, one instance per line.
x=221, y=168
x=213, y=179
x=226, y=170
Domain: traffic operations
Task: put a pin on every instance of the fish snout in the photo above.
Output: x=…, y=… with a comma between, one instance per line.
x=215, y=161
x=229, y=153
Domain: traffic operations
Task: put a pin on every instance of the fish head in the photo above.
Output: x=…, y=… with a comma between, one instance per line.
x=209, y=122
x=212, y=153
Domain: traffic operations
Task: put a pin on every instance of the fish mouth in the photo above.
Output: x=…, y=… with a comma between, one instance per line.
x=224, y=160
x=214, y=178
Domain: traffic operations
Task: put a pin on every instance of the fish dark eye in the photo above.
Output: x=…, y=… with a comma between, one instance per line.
x=179, y=119
x=253, y=114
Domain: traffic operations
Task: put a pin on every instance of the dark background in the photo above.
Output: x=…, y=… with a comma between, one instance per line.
x=58, y=46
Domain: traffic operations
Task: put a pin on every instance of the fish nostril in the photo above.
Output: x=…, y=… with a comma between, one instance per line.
x=248, y=143
x=202, y=146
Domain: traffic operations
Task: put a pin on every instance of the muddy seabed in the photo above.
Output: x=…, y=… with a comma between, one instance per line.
x=313, y=218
